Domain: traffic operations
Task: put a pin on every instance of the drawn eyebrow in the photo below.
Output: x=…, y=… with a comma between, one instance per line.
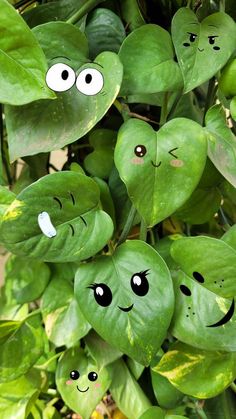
x=193, y=23
x=214, y=26
x=191, y=33
x=171, y=152
x=94, y=62
x=72, y=228
x=82, y=218
x=58, y=200
x=72, y=197
x=213, y=36
x=61, y=56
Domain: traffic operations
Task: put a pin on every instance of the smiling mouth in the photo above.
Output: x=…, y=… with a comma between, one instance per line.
x=226, y=318
x=199, y=49
x=156, y=165
x=126, y=309
x=82, y=391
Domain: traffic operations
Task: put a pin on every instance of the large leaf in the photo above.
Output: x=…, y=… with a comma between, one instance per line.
x=61, y=312
x=6, y=198
x=156, y=164
x=48, y=220
x=202, y=319
x=126, y=392
x=202, y=48
x=209, y=261
x=131, y=13
x=23, y=64
x=20, y=349
x=80, y=393
x=26, y=279
x=230, y=237
x=105, y=31
x=147, y=55
x=100, y=350
x=199, y=373
x=133, y=318
x=166, y=394
x=221, y=143
x=73, y=113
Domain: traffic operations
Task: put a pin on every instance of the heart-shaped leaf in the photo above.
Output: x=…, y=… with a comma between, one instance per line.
x=81, y=382
x=57, y=219
x=211, y=262
x=202, y=48
x=183, y=365
x=147, y=55
x=127, y=298
x=202, y=319
x=23, y=65
x=221, y=143
x=73, y=113
x=61, y=312
x=177, y=149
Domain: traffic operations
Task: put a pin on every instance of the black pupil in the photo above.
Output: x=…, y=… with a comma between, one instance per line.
x=103, y=295
x=211, y=40
x=198, y=277
x=139, y=284
x=64, y=75
x=92, y=376
x=74, y=375
x=88, y=78
x=140, y=150
x=192, y=37
x=185, y=290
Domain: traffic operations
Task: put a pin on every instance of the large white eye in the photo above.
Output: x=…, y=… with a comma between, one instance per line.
x=60, y=77
x=89, y=81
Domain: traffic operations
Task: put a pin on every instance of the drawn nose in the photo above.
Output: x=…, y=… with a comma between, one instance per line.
x=200, y=49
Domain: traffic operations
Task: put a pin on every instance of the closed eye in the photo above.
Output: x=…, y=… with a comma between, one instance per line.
x=171, y=152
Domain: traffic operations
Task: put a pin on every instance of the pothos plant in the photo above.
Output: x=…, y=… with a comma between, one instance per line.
x=118, y=299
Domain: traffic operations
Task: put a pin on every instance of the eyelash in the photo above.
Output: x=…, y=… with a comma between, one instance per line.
x=92, y=286
x=172, y=154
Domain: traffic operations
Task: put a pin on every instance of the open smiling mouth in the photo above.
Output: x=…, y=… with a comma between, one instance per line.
x=126, y=309
x=156, y=165
x=226, y=318
x=82, y=391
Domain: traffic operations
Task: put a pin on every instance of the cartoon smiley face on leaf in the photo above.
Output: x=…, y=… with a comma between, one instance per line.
x=50, y=221
x=81, y=382
x=202, y=48
x=84, y=90
x=160, y=169
x=127, y=298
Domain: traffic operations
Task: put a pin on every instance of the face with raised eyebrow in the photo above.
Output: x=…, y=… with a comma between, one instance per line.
x=193, y=38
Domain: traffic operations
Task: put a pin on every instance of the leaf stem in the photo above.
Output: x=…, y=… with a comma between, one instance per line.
x=222, y=5
x=128, y=225
x=233, y=387
x=87, y=7
x=3, y=153
x=45, y=365
x=143, y=231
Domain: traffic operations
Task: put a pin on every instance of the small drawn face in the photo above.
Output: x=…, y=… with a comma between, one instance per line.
x=193, y=38
x=140, y=151
x=75, y=375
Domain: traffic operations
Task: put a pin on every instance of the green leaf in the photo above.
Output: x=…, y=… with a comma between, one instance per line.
x=184, y=367
x=166, y=394
x=100, y=161
x=8, y=327
x=221, y=143
x=233, y=108
x=61, y=312
x=132, y=14
x=6, y=198
x=126, y=392
x=148, y=58
x=105, y=32
x=222, y=406
x=153, y=412
x=23, y=64
x=230, y=237
x=73, y=113
x=74, y=391
x=201, y=318
x=101, y=351
x=202, y=48
x=135, y=368
x=210, y=261
x=153, y=200
x=152, y=309
x=21, y=349
x=106, y=199
x=48, y=220
x=26, y=279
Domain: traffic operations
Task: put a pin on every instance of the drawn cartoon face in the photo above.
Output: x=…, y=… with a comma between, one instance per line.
x=115, y=292
x=80, y=381
x=50, y=221
x=145, y=160
x=202, y=48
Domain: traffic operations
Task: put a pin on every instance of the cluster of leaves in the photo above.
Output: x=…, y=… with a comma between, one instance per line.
x=120, y=283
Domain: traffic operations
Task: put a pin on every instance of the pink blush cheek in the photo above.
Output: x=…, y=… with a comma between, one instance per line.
x=137, y=160
x=68, y=382
x=176, y=163
x=97, y=385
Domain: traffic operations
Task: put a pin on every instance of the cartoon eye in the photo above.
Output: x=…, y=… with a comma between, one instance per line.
x=90, y=81
x=102, y=294
x=192, y=36
x=171, y=152
x=198, y=277
x=74, y=375
x=60, y=77
x=140, y=150
x=139, y=283
x=92, y=376
x=212, y=39
x=185, y=290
